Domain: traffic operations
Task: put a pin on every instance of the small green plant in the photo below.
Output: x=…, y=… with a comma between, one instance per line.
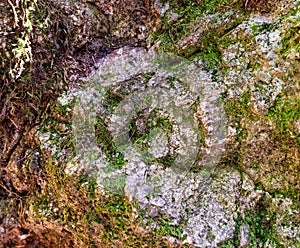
x=228, y=244
x=208, y=51
x=112, y=100
x=260, y=227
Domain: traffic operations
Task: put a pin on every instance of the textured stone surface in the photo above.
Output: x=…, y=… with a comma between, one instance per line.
x=231, y=201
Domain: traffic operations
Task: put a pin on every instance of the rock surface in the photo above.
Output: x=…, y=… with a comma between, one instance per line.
x=249, y=197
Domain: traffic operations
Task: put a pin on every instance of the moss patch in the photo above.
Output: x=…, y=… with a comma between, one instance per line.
x=285, y=113
x=107, y=145
x=291, y=39
x=93, y=220
x=181, y=30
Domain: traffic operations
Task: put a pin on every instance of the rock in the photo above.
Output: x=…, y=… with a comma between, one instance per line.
x=229, y=193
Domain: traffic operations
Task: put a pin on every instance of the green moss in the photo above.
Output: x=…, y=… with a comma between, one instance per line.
x=112, y=100
x=228, y=244
x=263, y=27
x=239, y=112
x=207, y=47
x=291, y=40
x=89, y=184
x=57, y=123
x=225, y=41
x=208, y=51
x=191, y=9
x=261, y=227
x=166, y=229
x=285, y=113
x=106, y=142
x=76, y=204
x=153, y=122
x=282, y=116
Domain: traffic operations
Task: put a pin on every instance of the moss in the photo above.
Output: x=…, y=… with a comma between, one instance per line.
x=166, y=229
x=112, y=100
x=74, y=203
x=276, y=167
x=57, y=123
x=284, y=113
x=261, y=227
x=291, y=40
x=140, y=134
x=151, y=120
x=209, y=51
x=106, y=142
x=207, y=45
x=225, y=41
x=191, y=9
x=228, y=244
x=264, y=27
x=239, y=112
x=269, y=160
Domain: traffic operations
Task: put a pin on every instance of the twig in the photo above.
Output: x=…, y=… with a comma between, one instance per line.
x=3, y=112
x=15, y=14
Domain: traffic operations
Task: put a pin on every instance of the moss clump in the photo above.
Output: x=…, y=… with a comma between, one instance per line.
x=285, y=113
x=177, y=36
x=291, y=40
x=107, y=145
x=264, y=27
x=240, y=113
x=165, y=229
x=260, y=224
x=266, y=145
